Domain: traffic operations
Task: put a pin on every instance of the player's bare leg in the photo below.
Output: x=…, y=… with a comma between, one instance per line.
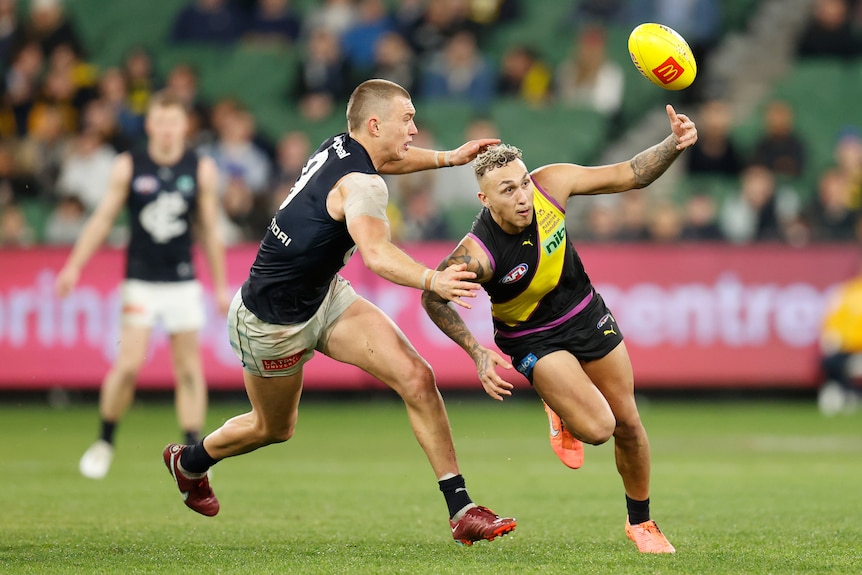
x=272, y=419
x=365, y=337
x=118, y=388
x=191, y=389
x=562, y=383
x=614, y=377
x=115, y=397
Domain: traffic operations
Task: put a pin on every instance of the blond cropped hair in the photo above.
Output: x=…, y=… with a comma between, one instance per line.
x=371, y=97
x=495, y=157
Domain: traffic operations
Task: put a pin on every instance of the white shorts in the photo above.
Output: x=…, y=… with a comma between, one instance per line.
x=177, y=306
x=270, y=350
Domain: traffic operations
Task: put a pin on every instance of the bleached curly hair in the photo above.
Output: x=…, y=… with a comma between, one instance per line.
x=495, y=157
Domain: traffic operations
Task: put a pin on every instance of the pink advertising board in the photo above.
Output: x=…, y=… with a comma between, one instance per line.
x=693, y=316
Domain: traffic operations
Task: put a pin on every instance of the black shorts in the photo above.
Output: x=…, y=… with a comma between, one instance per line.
x=590, y=335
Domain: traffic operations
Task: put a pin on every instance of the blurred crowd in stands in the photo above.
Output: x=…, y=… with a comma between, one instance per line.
x=63, y=119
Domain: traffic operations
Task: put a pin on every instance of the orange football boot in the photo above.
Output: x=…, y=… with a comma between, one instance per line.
x=648, y=537
x=569, y=449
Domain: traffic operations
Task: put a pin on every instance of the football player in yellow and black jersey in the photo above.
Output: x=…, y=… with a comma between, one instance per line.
x=548, y=317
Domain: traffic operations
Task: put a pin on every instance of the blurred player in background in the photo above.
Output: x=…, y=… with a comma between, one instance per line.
x=165, y=187
x=841, y=347
x=547, y=315
x=295, y=302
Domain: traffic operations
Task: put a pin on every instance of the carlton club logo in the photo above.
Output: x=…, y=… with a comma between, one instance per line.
x=668, y=71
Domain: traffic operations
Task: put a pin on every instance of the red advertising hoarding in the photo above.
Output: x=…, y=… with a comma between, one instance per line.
x=693, y=316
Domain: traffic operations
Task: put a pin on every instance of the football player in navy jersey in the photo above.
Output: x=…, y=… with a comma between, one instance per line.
x=294, y=303
x=166, y=188
x=548, y=317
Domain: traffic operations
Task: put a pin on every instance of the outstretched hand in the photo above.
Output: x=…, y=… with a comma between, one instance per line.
x=468, y=151
x=486, y=362
x=682, y=127
x=222, y=300
x=66, y=281
x=451, y=284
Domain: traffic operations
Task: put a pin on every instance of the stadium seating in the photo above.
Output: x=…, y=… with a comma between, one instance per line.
x=260, y=79
x=736, y=13
x=445, y=120
x=817, y=90
x=459, y=218
x=257, y=76
x=552, y=133
x=110, y=29
x=37, y=213
x=719, y=187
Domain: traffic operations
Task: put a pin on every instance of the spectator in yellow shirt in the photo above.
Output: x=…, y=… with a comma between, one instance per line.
x=841, y=347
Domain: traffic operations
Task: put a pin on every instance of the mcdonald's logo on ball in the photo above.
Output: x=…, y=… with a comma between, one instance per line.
x=662, y=56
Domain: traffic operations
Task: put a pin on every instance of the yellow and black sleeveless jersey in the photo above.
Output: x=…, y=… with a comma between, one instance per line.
x=539, y=281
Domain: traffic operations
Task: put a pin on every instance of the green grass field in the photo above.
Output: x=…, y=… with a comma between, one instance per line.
x=749, y=488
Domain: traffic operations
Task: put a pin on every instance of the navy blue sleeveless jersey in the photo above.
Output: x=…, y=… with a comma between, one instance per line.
x=304, y=248
x=162, y=202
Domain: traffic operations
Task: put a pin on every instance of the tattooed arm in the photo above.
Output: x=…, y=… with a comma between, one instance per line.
x=652, y=163
x=450, y=322
x=565, y=180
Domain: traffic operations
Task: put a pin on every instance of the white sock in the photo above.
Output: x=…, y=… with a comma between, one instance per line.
x=457, y=517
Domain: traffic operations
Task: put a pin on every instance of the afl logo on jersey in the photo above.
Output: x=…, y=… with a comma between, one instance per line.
x=145, y=184
x=517, y=273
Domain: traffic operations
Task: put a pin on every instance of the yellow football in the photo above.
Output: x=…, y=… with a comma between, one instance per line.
x=662, y=56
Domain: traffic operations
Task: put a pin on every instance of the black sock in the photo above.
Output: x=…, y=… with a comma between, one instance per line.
x=638, y=510
x=195, y=458
x=191, y=437
x=455, y=492
x=107, y=431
